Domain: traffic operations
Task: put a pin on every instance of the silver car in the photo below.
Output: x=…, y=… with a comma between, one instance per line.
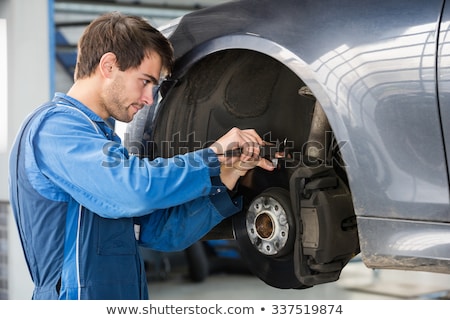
x=357, y=96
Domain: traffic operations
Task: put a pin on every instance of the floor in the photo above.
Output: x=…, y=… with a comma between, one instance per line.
x=357, y=282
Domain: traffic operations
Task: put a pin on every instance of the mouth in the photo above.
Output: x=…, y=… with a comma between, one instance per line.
x=136, y=107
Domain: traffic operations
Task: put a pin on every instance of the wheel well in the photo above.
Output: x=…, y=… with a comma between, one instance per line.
x=241, y=88
x=247, y=89
x=237, y=88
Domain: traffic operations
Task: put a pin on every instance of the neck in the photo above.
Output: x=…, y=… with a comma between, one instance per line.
x=87, y=92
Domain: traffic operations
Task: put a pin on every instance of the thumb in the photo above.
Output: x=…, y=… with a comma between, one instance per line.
x=266, y=164
x=248, y=165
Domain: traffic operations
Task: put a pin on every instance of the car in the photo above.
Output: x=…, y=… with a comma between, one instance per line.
x=356, y=94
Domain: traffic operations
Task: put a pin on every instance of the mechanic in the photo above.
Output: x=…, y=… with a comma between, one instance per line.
x=82, y=204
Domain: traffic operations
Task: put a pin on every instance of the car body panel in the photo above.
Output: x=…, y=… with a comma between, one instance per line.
x=372, y=66
x=369, y=78
x=443, y=77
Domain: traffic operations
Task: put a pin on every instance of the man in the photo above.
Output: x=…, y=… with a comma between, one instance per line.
x=78, y=196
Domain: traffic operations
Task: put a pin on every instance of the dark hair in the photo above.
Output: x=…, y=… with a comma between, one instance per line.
x=130, y=38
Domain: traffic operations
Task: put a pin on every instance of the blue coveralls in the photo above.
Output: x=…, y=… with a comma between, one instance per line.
x=77, y=197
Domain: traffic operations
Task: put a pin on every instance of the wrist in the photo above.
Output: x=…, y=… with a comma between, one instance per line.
x=230, y=176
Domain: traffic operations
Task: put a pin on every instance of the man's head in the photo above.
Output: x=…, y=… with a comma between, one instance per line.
x=120, y=62
x=130, y=38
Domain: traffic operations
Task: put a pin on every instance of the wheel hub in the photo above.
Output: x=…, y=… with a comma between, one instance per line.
x=267, y=225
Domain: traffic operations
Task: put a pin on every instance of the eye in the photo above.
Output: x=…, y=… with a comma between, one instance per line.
x=146, y=82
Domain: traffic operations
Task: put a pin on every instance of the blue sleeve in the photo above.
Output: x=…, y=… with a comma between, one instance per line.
x=73, y=155
x=177, y=228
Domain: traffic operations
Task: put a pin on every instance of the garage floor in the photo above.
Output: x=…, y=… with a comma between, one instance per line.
x=356, y=283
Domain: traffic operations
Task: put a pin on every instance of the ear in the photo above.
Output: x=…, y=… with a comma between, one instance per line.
x=107, y=64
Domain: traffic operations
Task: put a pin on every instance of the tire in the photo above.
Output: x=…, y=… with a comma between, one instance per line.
x=197, y=262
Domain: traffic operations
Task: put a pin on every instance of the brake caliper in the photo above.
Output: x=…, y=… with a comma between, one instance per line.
x=326, y=232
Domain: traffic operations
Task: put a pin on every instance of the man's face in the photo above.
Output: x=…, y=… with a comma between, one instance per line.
x=132, y=89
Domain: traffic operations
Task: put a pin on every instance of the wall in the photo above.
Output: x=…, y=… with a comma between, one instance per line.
x=3, y=89
x=3, y=150
x=28, y=79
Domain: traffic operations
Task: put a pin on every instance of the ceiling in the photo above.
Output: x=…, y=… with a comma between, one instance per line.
x=73, y=13
x=72, y=16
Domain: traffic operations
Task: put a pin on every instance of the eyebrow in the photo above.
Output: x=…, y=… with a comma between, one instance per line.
x=152, y=79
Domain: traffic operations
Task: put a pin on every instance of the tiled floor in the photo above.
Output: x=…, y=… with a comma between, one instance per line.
x=357, y=283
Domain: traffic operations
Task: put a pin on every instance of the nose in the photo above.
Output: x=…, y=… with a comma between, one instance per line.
x=150, y=94
x=147, y=96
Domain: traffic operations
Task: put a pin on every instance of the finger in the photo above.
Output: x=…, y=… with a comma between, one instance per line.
x=242, y=165
x=248, y=165
x=266, y=164
x=250, y=151
x=253, y=135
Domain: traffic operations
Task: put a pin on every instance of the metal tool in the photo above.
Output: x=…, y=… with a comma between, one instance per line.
x=269, y=150
x=280, y=153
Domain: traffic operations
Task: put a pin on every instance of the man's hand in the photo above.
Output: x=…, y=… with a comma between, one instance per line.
x=230, y=174
x=248, y=142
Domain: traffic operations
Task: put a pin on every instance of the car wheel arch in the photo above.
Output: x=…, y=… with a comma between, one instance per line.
x=189, y=127
x=292, y=61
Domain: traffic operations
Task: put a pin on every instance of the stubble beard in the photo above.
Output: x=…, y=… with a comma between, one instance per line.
x=114, y=103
